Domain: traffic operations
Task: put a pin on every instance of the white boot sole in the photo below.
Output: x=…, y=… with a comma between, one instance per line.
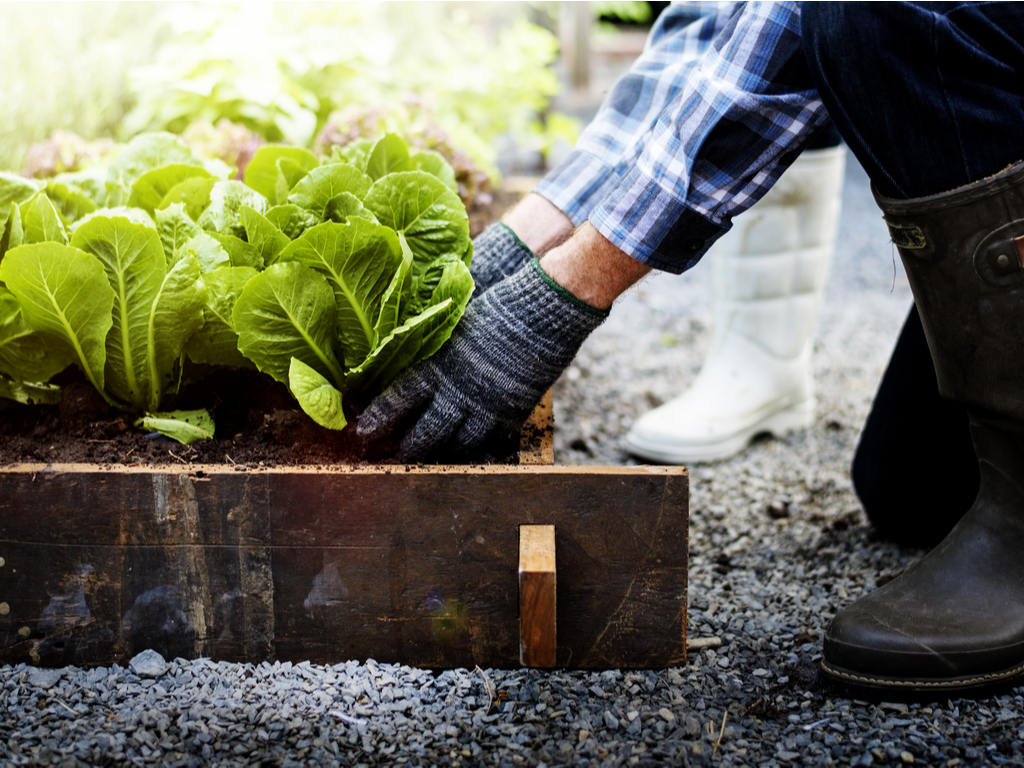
x=789, y=419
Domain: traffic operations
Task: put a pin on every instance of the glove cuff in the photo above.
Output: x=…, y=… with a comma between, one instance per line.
x=534, y=313
x=497, y=253
x=565, y=294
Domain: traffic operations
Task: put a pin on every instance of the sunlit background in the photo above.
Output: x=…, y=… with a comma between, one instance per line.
x=498, y=87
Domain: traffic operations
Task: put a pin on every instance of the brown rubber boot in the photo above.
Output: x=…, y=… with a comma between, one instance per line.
x=953, y=623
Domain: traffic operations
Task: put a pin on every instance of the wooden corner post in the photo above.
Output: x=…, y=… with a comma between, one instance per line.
x=537, y=584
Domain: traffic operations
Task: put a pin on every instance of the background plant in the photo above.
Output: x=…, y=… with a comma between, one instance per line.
x=279, y=69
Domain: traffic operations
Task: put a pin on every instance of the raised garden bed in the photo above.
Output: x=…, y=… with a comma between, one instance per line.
x=277, y=533
x=412, y=564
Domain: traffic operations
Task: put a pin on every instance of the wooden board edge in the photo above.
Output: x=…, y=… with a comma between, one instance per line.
x=201, y=471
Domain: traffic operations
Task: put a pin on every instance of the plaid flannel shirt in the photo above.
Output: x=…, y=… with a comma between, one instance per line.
x=704, y=123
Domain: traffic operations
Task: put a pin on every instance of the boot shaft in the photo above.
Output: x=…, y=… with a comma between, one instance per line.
x=966, y=270
x=769, y=270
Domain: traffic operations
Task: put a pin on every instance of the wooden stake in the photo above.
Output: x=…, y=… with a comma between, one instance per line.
x=537, y=636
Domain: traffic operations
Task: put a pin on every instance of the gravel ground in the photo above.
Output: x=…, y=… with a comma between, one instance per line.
x=777, y=544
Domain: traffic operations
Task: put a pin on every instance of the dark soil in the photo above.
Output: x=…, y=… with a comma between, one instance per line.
x=258, y=424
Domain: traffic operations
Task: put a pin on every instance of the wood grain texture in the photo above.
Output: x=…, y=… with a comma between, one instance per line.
x=538, y=586
x=410, y=564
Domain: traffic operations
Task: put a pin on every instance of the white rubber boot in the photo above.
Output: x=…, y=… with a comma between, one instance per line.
x=768, y=272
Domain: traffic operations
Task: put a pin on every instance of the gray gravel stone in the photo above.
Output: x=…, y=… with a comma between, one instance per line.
x=44, y=678
x=149, y=663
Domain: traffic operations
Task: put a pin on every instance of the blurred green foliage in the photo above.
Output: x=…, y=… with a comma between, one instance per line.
x=64, y=67
x=624, y=11
x=279, y=69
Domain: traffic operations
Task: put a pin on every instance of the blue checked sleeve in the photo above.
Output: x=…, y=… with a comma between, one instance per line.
x=742, y=113
x=611, y=144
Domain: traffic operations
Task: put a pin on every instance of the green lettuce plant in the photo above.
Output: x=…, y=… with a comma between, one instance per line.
x=327, y=276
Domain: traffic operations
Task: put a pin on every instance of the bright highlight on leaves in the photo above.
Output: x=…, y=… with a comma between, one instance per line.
x=320, y=400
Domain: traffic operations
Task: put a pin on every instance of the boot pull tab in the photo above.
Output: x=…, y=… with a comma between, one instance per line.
x=999, y=258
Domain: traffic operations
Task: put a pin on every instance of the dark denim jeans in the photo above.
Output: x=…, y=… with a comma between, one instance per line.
x=929, y=97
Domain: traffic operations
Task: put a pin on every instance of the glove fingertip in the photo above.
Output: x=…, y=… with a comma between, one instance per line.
x=474, y=432
x=387, y=409
x=430, y=434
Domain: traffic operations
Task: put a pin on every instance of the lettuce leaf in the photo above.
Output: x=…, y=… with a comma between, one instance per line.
x=430, y=216
x=193, y=193
x=175, y=228
x=146, y=152
x=263, y=235
x=24, y=353
x=289, y=311
x=71, y=202
x=152, y=187
x=359, y=260
x=206, y=250
x=29, y=394
x=184, y=426
x=155, y=309
x=40, y=221
x=65, y=296
x=418, y=337
x=224, y=214
x=263, y=170
x=216, y=343
x=14, y=190
x=321, y=185
x=389, y=155
x=316, y=396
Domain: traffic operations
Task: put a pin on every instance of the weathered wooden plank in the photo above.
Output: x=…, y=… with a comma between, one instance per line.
x=538, y=635
x=410, y=564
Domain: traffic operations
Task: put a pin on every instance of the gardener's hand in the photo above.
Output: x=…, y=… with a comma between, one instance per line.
x=532, y=227
x=509, y=348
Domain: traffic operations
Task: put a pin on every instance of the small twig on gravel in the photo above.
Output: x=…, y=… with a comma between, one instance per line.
x=721, y=733
x=700, y=643
x=488, y=688
x=347, y=718
x=812, y=726
x=749, y=709
x=69, y=709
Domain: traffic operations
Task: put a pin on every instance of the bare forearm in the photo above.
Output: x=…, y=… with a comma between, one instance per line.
x=539, y=224
x=591, y=268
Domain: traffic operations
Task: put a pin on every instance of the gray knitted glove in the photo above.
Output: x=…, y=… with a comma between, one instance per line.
x=506, y=352
x=497, y=253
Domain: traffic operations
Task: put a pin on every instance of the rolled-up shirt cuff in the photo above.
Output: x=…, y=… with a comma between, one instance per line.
x=576, y=185
x=647, y=223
